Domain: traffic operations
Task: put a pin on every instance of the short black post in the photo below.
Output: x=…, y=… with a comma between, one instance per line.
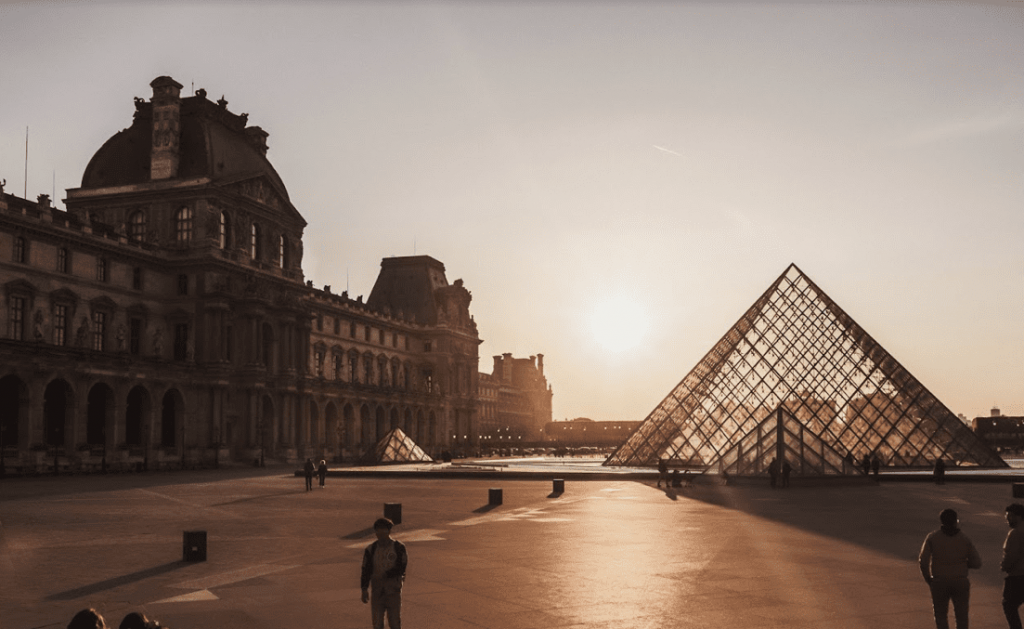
x=494, y=496
x=193, y=546
x=393, y=511
x=558, y=486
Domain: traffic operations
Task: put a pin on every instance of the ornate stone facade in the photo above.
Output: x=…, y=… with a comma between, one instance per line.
x=515, y=401
x=164, y=321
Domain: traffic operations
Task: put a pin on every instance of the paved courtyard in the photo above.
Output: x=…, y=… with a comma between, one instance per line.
x=617, y=553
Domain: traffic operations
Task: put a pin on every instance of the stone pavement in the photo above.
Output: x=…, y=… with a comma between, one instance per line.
x=608, y=553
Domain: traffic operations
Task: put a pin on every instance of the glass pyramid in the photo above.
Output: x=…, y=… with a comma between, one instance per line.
x=395, y=447
x=831, y=387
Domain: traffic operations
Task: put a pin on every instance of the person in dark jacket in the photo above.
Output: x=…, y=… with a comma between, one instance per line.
x=321, y=471
x=382, y=576
x=309, y=474
x=946, y=556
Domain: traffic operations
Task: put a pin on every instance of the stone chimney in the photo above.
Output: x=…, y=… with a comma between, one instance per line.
x=540, y=363
x=258, y=138
x=164, y=153
x=506, y=367
x=995, y=411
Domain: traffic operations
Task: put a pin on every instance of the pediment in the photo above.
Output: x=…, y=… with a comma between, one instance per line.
x=264, y=191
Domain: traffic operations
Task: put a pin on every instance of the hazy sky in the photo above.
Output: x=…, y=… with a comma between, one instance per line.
x=580, y=163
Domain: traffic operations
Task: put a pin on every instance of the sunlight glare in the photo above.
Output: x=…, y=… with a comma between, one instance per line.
x=619, y=324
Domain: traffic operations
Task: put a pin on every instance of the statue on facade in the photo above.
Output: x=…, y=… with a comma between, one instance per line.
x=158, y=342
x=37, y=326
x=82, y=336
x=120, y=336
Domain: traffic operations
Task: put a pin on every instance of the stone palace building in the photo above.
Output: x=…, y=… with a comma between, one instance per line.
x=163, y=320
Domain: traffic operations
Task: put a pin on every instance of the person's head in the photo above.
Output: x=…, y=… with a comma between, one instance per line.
x=323, y=462
x=382, y=527
x=87, y=619
x=948, y=518
x=134, y=620
x=1014, y=514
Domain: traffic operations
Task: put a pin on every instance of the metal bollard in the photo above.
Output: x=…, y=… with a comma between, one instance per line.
x=193, y=546
x=393, y=511
x=558, y=486
x=494, y=496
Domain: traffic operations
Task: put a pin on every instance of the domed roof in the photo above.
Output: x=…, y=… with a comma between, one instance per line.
x=214, y=143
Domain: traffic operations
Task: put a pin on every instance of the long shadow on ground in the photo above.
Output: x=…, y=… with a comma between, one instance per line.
x=109, y=584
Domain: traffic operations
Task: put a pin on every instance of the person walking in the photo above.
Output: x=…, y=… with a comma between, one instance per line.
x=309, y=474
x=662, y=472
x=876, y=464
x=773, y=472
x=382, y=576
x=787, y=469
x=1013, y=565
x=321, y=471
x=939, y=472
x=946, y=556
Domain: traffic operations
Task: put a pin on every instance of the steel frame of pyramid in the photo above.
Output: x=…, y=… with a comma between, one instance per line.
x=396, y=447
x=795, y=349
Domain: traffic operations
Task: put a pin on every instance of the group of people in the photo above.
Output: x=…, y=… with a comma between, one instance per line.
x=775, y=469
x=948, y=554
x=321, y=471
x=91, y=619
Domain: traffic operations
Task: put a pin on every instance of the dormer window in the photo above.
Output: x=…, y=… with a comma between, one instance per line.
x=20, y=250
x=137, y=226
x=183, y=225
x=254, y=242
x=63, y=260
x=225, y=230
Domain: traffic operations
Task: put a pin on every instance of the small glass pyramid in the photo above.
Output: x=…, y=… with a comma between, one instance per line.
x=797, y=377
x=395, y=447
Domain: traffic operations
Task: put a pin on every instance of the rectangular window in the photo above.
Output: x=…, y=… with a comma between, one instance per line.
x=19, y=249
x=337, y=326
x=320, y=363
x=183, y=284
x=137, y=278
x=427, y=346
x=101, y=269
x=60, y=325
x=16, y=329
x=337, y=367
x=135, y=336
x=99, y=330
x=380, y=336
x=62, y=260
x=352, y=330
x=394, y=339
x=353, y=368
x=180, y=341
x=320, y=323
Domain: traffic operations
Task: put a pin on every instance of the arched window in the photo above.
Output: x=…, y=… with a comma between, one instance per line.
x=183, y=225
x=281, y=248
x=254, y=242
x=225, y=230
x=137, y=226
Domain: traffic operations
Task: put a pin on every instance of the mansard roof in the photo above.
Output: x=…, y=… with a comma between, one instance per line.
x=214, y=143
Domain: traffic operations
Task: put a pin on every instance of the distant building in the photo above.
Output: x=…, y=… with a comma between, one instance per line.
x=587, y=432
x=514, y=402
x=163, y=319
x=1000, y=431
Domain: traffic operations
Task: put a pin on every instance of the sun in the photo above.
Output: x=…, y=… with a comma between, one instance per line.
x=619, y=324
